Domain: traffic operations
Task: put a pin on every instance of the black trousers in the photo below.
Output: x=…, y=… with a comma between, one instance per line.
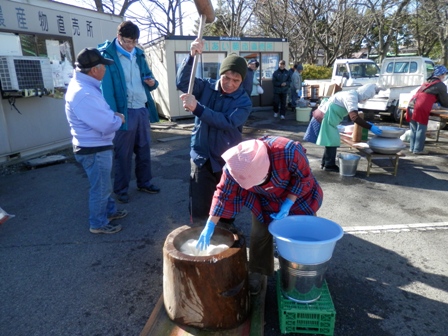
x=329, y=158
x=280, y=99
x=203, y=183
x=261, y=251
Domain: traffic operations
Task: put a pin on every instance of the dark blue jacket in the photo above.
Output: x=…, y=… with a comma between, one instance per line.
x=281, y=76
x=219, y=117
x=113, y=84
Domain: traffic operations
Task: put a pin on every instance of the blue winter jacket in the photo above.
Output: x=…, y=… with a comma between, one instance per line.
x=219, y=117
x=281, y=76
x=113, y=84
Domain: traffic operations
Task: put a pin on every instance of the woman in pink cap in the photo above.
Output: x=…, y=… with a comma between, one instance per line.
x=272, y=177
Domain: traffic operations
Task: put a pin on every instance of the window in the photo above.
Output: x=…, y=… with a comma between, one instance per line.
x=269, y=63
x=208, y=64
x=401, y=67
x=340, y=70
x=413, y=68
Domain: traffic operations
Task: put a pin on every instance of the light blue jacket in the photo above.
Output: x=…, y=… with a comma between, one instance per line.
x=114, y=82
x=92, y=122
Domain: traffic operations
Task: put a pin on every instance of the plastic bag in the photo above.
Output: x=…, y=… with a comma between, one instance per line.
x=4, y=216
x=301, y=103
x=260, y=89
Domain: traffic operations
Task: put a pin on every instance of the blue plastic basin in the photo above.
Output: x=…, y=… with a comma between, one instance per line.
x=307, y=240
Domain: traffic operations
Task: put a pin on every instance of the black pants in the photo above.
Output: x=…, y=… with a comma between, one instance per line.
x=280, y=99
x=203, y=183
x=329, y=158
x=261, y=251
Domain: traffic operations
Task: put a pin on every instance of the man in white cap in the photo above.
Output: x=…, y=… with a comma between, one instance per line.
x=332, y=112
x=272, y=177
x=93, y=125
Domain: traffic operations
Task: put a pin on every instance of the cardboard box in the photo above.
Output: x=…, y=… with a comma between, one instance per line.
x=404, y=99
x=327, y=89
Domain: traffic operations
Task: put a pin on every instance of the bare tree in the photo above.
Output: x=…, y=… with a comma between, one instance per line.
x=232, y=17
x=432, y=25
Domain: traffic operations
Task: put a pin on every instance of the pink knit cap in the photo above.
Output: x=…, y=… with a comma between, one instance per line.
x=248, y=162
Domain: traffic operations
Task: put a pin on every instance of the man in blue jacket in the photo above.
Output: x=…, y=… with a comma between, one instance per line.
x=221, y=107
x=126, y=87
x=281, y=79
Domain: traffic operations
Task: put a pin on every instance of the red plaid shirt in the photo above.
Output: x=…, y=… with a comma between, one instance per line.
x=289, y=173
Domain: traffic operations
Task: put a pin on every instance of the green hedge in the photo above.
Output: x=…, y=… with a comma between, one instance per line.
x=311, y=71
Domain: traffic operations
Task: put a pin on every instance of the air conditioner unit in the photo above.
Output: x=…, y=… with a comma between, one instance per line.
x=21, y=74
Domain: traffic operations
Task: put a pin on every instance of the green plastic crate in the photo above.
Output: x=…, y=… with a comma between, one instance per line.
x=317, y=317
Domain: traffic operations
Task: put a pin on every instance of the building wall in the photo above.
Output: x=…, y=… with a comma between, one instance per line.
x=38, y=124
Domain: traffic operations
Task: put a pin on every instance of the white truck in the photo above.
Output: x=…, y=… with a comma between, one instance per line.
x=398, y=75
x=354, y=72
x=347, y=74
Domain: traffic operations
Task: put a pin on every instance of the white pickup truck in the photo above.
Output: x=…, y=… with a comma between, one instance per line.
x=354, y=72
x=349, y=73
x=398, y=75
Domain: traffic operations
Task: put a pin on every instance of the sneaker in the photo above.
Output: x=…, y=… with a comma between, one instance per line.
x=108, y=229
x=117, y=215
x=282, y=117
x=255, y=282
x=421, y=153
x=152, y=189
x=275, y=115
x=123, y=198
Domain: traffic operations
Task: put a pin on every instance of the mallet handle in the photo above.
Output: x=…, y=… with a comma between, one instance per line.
x=196, y=56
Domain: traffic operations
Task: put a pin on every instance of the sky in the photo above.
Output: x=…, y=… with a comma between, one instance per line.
x=190, y=15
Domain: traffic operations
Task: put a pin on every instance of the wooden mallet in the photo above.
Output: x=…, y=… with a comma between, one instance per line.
x=207, y=15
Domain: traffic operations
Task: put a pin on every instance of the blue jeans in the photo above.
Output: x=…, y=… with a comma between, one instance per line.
x=418, y=136
x=98, y=167
x=136, y=140
x=294, y=97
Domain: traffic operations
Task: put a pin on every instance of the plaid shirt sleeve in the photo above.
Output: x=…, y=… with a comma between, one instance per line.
x=228, y=199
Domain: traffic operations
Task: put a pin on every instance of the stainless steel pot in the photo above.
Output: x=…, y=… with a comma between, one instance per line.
x=391, y=132
x=386, y=145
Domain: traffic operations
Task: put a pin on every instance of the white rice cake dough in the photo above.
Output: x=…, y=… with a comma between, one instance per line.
x=189, y=248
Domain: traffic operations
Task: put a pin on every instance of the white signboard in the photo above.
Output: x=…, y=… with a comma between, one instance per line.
x=86, y=28
x=10, y=45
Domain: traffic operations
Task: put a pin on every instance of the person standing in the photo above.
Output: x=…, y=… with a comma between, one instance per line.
x=332, y=112
x=296, y=85
x=272, y=177
x=126, y=87
x=249, y=79
x=221, y=107
x=420, y=106
x=281, y=79
x=256, y=85
x=93, y=125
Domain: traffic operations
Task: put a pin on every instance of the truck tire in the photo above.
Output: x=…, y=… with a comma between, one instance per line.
x=396, y=114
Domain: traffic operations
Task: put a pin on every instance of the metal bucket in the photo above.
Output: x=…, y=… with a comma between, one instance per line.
x=348, y=164
x=302, y=283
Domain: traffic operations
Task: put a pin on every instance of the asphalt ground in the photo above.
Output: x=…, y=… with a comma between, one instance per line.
x=388, y=274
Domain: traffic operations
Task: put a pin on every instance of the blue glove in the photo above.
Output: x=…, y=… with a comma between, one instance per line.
x=375, y=129
x=206, y=234
x=284, y=210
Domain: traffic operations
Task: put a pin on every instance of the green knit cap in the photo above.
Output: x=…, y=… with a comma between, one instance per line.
x=235, y=63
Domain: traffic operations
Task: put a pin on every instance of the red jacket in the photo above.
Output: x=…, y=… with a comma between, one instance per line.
x=422, y=102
